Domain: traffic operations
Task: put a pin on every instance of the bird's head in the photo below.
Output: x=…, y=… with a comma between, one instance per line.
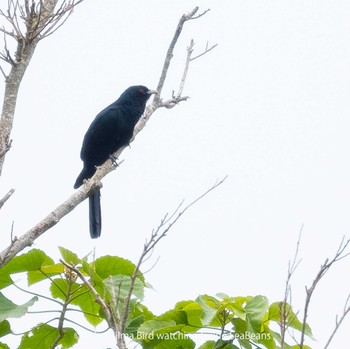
x=138, y=93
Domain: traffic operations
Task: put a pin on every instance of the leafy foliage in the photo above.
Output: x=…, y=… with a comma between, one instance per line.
x=234, y=322
x=44, y=336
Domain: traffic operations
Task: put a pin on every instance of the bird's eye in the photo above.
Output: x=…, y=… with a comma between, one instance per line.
x=141, y=90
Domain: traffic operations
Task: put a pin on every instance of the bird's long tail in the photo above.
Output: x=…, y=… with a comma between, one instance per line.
x=95, y=215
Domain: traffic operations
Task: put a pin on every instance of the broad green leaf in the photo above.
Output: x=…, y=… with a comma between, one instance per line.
x=211, y=301
x=224, y=344
x=43, y=336
x=61, y=288
x=5, y=328
x=88, y=268
x=276, y=311
x=277, y=338
x=79, y=295
x=181, y=319
x=147, y=329
x=170, y=341
x=255, y=309
x=45, y=271
x=32, y=260
x=236, y=305
x=240, y=329
x=134, y=325
x=207, y=345
x=223, y=296
x=194, y=314
x=140, y=309
x=137, y=316
x=208, y=312
x=177, y=315
x=70, y=338
x=9, y=309
x=119, y=287
x=4, y=346
x=69, y=256
x=84, y=299
x=110, y=265
x=266, y=337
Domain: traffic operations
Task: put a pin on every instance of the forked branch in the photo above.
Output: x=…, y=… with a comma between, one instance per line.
x=118, y=321
x=90, y=186
x=339, y=255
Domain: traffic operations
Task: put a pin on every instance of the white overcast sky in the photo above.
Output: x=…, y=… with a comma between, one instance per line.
x=269, y=107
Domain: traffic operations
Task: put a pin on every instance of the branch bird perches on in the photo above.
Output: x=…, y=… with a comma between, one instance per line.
x=27, y=239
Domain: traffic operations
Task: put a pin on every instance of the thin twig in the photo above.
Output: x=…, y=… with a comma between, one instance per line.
x=346, y=311
x=156, y=236
x=207, y=49
x=284, y=310
x=169, y=54
x=323, y=270
x=187, y=65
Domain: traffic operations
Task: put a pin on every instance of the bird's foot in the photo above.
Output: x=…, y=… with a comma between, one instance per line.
x=114, y=160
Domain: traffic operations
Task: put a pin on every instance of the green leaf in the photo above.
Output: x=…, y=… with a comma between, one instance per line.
x=61, y=288
x=9, y=309
x=177, y=315
x=44, y=272
x=32, y=260
x=255, y=309
x=147, y=329
x=70, y=338
x=223, y=296
x=43, y=336
x=240, y=328
x=85, y=300
x=4, y=346
x=110, y=265
x=276, y=311
x=119, y=287
x=5, y=328
x=224, y=344
x=69, y=256
x=236, y=305
x=79, y=295
x=194, y=313
x=208, y=313
x=134, y=325
x=137, y=316
x=207, y=345
x=170, y=341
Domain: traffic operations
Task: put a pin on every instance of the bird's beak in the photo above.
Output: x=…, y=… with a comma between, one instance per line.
x=152, y=92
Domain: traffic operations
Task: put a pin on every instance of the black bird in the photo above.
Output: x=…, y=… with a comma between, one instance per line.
x=111, y=129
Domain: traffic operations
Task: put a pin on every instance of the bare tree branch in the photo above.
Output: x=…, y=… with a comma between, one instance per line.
x=27, y=239
x=339, y=255
x=116, y=320
x=169, y=54
x=39, y=19
x=159, y=233
x=6, y=197
x=284, y=309
x=207, y=49
x=339, y=321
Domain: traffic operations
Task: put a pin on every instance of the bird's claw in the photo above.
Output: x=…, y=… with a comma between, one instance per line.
x=114, y=160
